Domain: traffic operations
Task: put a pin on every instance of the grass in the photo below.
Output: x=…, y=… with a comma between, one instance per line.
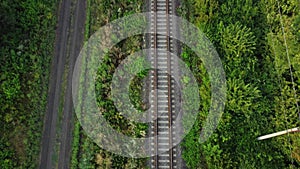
x=85, y=153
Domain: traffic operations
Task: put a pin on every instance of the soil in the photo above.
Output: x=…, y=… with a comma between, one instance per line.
x=69, y=40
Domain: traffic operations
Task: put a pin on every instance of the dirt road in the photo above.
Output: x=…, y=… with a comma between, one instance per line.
x=69, y=39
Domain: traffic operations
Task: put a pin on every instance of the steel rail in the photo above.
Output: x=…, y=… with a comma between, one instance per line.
x=161, y=78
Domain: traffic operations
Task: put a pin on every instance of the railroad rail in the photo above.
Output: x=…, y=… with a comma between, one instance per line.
x=162, y=86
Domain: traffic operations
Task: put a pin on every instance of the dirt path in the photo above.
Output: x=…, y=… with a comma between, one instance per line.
x=69, y=38
x=76, y=44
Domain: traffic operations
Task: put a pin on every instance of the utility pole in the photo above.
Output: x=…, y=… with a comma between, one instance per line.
x=296, y=129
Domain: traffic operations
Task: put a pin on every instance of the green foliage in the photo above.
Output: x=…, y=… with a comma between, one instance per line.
x=86, y=157
x=236, y=41
x=11, y=85
x=75, y=145
x=245, y=11
x=248, y=36
x=6, y=155
x=89, y=154
x=237, y=45
x=27, y=38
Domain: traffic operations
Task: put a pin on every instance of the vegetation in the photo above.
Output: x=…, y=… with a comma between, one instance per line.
x=260, y=99
x=85, y=153
x=249, y=38
x=26, y=40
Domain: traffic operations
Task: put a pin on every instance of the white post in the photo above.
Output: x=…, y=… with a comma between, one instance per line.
x=297, y=129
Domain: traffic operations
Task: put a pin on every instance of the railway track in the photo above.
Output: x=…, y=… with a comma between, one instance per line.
x=162, y=86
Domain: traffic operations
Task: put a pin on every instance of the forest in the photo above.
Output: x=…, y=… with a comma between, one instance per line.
x=258, y=42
